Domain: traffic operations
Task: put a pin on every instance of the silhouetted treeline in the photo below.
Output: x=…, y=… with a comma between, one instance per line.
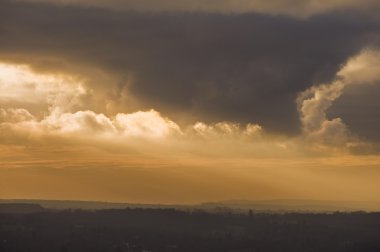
x=196, y=231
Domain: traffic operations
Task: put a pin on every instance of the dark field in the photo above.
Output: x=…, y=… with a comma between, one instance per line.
x=172, y=230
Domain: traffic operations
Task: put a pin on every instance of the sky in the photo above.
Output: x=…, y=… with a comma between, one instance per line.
x=189, y=101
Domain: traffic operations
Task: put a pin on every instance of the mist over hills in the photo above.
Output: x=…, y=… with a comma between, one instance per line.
x=240, y=206
x=296, y=205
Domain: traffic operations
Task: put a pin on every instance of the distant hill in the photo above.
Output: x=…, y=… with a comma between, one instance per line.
x=220, y=206
x=85, y=205
x=294, y=205
x=20, y=208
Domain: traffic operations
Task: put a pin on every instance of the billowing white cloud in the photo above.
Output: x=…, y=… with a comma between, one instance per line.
x=225, y=130
x=65, y=114
x=20, y=85
x=314, y=102
x=88, y=124
x=362, y=69
x=59, y=98
x=145, y=124
x=85, y=122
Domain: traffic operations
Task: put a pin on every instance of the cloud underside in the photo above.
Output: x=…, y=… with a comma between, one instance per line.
x=296, y=8
x=188, y=66
x=126, y=75
x=66, y=117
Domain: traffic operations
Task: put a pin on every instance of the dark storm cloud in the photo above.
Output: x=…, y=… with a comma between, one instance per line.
x=295, y=8
x=211, y=67
x=359, y=108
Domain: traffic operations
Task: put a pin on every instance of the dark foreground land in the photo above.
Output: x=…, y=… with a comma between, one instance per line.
x=196, y=231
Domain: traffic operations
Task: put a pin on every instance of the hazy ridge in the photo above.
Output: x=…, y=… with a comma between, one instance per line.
x=218, y=206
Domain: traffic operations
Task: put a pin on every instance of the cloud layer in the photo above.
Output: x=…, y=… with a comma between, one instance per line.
x=189, y=66
x=297, y=8
x=63, y=114
x=62, y=100
x=362, y=69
